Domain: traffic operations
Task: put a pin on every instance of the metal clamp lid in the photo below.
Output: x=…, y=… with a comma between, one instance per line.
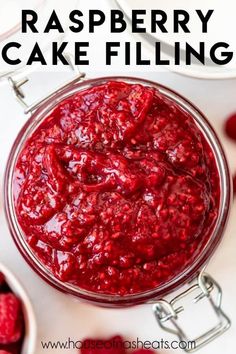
x=165, y=312
x=16, y=86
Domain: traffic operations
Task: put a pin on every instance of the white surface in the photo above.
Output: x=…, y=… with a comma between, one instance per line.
x=59, y=316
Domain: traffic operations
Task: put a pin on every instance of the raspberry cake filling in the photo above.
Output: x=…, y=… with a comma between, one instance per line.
x=117, y=191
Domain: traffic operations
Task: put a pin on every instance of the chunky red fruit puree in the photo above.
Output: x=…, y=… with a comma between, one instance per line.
x=117, y=190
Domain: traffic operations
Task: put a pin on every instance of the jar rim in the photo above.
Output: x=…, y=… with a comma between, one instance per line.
x=189, y=271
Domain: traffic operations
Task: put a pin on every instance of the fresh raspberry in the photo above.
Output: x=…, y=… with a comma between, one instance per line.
x=113, y=345
x=4, y=352
x=10, y=319
x=230, y=126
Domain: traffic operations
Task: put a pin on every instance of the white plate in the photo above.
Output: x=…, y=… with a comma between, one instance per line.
x=220, y=28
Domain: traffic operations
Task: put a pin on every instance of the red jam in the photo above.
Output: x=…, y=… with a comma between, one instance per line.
x=117, y=191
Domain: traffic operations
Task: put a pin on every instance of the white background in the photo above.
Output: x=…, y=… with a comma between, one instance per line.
x=60, y=316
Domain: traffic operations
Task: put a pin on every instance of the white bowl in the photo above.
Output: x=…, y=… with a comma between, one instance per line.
x=29, y=316
x=224, y=13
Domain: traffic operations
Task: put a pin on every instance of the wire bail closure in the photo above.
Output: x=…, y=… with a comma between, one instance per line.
x=16, y=86
x=165, y=312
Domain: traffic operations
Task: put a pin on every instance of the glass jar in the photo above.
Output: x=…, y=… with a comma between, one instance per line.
x=163, y=310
